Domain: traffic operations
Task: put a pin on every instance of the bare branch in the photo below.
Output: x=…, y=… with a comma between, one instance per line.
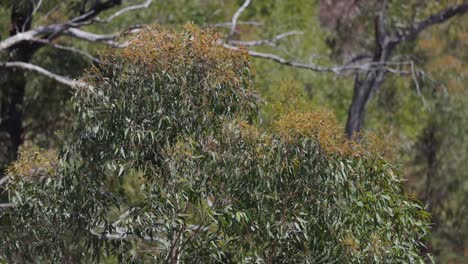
x=70, y=27
x=108, y=39
x=271, y=42
x=52, y=29
x=125, y=10
x=416, y=83
x=71, y=49
x=413, y=31
x=98, y=7
x=229, y=24
x=58, y=78
x=6, y=205
x=32, y=35
x=284, y=61
x=3, y=180
x=392, y=67
x=28, y=35
x=36, y=7
x=122, y=234
x=236, y=17
x=92, y=37
x=380, y=24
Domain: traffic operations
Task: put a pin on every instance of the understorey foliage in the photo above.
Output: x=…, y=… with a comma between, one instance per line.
x=165, y=163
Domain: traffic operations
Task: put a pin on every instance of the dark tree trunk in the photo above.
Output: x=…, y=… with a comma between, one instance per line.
x=364, y=89
x=366, y=85
x=431, y=148
x=357, y=108
x=13, y=87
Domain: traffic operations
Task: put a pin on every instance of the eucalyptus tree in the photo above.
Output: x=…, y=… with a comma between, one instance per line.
x=164, y=163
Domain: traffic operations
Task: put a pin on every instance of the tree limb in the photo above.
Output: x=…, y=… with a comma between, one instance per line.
x=381, y=24
x=98, y=7
x=91, y=37
x=284, y=61
x=58, y=78
x=365, y=66
x=125, y=10
x=381, y=38
x=28, y=35
x=235, y=17
x=5, y=205
x=413, y=31
x=3, y=180
x=271, y=42
x=229, y=24
x=36, y=7
x=70, y=49
x=70, y=27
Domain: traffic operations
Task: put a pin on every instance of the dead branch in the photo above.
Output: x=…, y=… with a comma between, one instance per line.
x=271, y=42
x=411, y=32
x=3, y=180
x=235, y=17
x=34, y=68
x=70, y=49
x=229, y=24
x=124, y=10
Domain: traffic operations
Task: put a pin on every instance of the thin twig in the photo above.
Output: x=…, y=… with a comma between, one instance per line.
x=367, y=66
x=229, y=24
x=416, y=83
x=71, y=49
x=36, y=7
x=235, y=17
x=124, y=10
x=271, y=42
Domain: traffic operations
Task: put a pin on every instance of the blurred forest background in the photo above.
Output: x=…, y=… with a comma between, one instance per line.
x=421, y=105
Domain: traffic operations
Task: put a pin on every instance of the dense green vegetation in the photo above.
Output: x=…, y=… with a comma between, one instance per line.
x=178, y=149
x=161, y=156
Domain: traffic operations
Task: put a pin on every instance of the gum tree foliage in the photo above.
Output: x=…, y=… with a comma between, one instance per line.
x=165, y=163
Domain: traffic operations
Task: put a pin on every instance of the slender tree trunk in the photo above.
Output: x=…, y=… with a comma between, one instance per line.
x=13, y=87
x=431, y=148
x=356, y=109
x=366, y=84
x=364, y=89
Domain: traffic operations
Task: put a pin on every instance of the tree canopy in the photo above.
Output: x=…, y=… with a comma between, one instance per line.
x=343, y=103
x=163, y=163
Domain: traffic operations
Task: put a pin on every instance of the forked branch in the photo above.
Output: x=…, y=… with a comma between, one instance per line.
x=411, y=32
